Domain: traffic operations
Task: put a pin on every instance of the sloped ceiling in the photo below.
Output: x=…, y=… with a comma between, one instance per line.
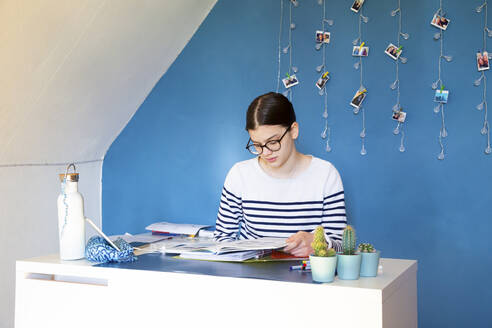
x=72, y=73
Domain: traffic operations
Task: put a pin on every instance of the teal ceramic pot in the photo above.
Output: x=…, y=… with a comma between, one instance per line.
x=323, y=268
x=348, y=266
x=369, y=264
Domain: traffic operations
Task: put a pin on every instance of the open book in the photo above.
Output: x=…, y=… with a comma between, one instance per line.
x=217, y=248
x=228, y=257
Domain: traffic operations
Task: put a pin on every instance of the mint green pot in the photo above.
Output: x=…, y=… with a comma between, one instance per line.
x=369, y=264
x=323, y=268
x=348, y=266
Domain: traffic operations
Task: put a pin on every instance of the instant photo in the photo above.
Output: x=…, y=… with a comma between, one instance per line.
x=322, y=80
x=290, y=81
x=358, y=99
x=483, y=61
x=393, y=51
x=440, y=22
x=359, y=51
x=323, y=37
x=357, y=5
x=399, y=116
x=326, y=37
x=441, y=96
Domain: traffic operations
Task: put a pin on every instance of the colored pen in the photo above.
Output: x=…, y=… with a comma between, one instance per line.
x=300, y=267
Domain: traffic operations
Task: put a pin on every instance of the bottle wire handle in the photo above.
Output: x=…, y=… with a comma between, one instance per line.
x=68, y=168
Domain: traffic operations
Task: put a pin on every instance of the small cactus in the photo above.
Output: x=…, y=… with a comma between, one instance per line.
x=319, y=245
x=366, y=248
x=348, y=241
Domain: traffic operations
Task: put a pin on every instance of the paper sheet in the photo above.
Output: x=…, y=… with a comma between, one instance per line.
x=177, y=228
x=146, y=237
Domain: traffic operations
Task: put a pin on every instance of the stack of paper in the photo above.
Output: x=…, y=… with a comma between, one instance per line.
x=176, y=228
x=140, y=239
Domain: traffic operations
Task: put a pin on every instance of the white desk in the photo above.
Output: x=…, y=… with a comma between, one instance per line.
x=53, y=293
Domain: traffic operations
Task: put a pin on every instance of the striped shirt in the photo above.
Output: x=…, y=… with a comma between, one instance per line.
x=254, y=204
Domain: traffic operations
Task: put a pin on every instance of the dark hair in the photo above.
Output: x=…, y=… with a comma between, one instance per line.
x=270, y=109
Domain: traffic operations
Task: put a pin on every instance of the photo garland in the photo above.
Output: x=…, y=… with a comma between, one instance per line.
x=291, y=79
x=322, y=39
x=395, y=53
x=483, y=65
x=360, y=51
x=440, y=96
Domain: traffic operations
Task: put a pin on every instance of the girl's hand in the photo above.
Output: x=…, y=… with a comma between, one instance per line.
x=299, y=244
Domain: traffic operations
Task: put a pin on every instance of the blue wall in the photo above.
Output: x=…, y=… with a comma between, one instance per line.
x=171, y=160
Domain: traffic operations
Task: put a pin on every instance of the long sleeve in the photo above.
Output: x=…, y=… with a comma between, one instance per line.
x=230, y=209
x=334, y=218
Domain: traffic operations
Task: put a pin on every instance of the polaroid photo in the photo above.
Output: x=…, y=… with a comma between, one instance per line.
x=290, y=81
x=441, y=96
x=399, y=116
x=323, y=37
x=393, y=51
x=358, y=98
x=326, y=37
x=440, y=22
x=359, y=51
x=322, y=80
x=357, y=5
x=483, y=61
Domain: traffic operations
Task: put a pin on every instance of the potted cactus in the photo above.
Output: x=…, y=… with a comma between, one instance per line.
x=323, y=261
x=348, y=259
x=370, y=260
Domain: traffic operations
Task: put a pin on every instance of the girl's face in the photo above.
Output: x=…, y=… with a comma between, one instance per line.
x=267, y=133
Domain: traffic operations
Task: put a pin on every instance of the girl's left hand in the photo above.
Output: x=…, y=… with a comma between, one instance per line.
x=299, y=244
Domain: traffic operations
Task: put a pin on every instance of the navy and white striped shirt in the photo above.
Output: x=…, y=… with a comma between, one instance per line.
x=254, y=204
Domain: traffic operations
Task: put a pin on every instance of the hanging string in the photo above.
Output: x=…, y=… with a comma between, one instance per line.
x=288, y=49
x=396, y=84
x=485, y=130
x=290, y=46
x=359, y=65
x=439, y=83
x=326, y=133
x=49, y=164
x=280, y=43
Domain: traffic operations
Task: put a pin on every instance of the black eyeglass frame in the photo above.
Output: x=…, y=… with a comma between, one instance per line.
x=248, y=145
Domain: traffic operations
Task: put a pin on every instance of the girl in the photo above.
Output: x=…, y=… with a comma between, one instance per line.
x=280, y=192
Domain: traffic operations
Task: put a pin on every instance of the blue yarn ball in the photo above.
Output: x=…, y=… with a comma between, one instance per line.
x=100, y=251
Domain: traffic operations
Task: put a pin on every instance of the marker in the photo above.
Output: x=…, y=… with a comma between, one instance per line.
x=326, y=74
x=362, y=44
x=302, y=267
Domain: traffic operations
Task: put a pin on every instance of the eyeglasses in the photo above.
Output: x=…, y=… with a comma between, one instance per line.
x=272, y=145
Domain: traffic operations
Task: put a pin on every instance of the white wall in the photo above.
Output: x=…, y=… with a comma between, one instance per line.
x=28, y=218
x=73, y=73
